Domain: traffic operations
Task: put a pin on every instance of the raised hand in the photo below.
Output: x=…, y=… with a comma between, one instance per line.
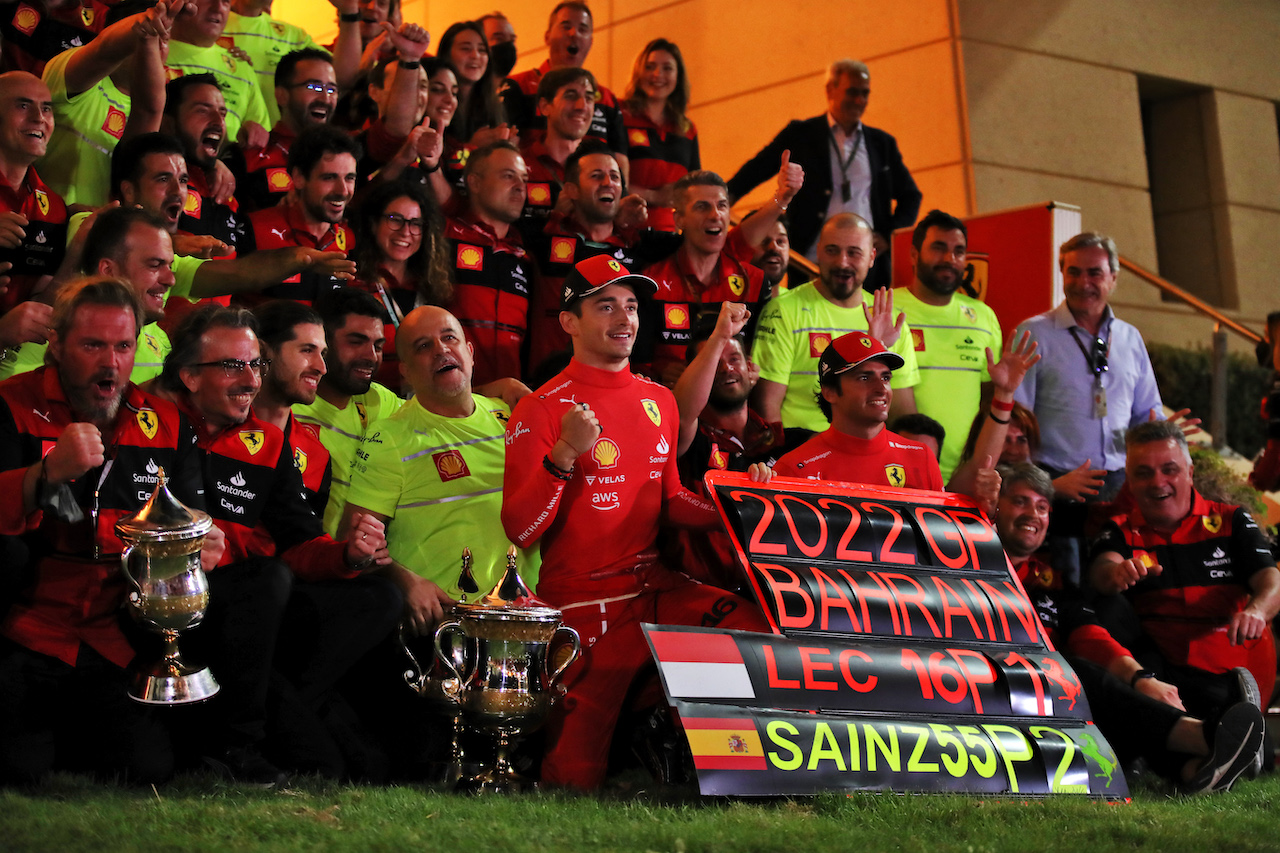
x=1018, y=358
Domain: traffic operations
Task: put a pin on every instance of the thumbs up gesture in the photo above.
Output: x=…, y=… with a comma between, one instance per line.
x=790, y=180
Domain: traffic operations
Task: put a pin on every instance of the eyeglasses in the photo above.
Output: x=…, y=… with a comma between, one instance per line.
x=1099, y=356
x=233, y=367
x=317, y=87
x=398, y=223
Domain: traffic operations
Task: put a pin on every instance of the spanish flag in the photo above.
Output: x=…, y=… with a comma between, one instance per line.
x=724, y=743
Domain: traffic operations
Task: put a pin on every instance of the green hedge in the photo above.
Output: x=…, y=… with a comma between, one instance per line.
x=1183, y=376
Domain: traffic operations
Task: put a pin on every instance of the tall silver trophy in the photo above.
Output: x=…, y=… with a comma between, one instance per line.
x=170, y=593
x=505, y=655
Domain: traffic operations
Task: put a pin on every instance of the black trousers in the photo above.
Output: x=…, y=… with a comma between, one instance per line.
x=57, y=716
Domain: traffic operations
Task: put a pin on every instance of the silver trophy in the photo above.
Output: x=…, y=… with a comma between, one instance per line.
x=505, y=655
x=170, y=593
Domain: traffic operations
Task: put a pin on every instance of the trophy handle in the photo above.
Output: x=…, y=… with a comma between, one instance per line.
x=575, y=642
x=124, y=567
x=415, y=675
x=452, y=626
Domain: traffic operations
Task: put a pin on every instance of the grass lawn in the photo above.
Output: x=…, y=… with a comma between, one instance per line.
x=72, y=813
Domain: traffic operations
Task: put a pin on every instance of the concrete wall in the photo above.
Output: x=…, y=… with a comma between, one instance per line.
x=1054, y=111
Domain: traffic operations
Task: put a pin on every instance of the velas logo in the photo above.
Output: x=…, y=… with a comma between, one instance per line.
x=450, y=465
x=114, y=123
x=191, y=206
x=300, y=460
x=278, y=180
x=540, y=194
x=252, y=440
x=606, y=453
x=26, y=19
x=651, y=409
x=917, y=339
x=562, y=249
x=42, y=202
x=896, y=475
x=818, y=342
x=1212, y=523
x=638, y=137
x=677, y=316
x=470, y=257
x=737, y=284
x=148, y=422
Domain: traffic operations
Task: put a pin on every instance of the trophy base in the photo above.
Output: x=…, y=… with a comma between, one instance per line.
x=496, y=781
x=170, y=684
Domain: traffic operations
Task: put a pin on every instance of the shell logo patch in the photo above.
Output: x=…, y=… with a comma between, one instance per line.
x=42, y=202
x=114, y=123
x=737, y=284
x=450, y=465
x=606, y=453
x=191, y=207
x=637, y=136
x=278, y=180
x=562, y=249
x=340, y=240
x=677, y=316
x=300, y=460
x=1212, y=523
x=470, y=257
x=540, y=194
x=917, y=339
x=252, y=440
x=226, y=42
x=26, y=19
x=718, y=459
x=651, y=409
x=148, y=422
x=818, y=342
x=896, y=474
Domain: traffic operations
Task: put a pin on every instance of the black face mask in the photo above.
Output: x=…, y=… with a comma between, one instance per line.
x=503, y=57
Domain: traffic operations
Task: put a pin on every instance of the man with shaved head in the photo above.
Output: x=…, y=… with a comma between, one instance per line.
x=434, y=474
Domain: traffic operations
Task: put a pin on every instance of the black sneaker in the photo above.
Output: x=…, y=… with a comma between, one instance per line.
x=246, y=766
x=1233, y=748
x=1247, y=691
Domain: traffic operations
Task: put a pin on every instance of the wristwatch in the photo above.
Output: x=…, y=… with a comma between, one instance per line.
x=1139, y=675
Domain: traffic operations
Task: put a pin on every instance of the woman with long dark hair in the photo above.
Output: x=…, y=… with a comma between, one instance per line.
x=401, y=258
x=662, y=143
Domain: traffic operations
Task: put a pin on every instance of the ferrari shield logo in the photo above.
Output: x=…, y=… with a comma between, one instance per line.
x=252, y=439
x=42, y=202
x=976, y=274
x=300, y=460
x=737, y=284
x=148, y=422
x=340, y=240
x=1212, y=523
x=896, y=474
x=651, y=409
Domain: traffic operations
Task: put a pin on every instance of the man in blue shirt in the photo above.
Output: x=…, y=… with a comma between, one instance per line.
x=1095, y=379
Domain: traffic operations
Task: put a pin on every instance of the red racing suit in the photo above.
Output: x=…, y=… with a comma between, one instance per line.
x=886, y=460
x=597, y=533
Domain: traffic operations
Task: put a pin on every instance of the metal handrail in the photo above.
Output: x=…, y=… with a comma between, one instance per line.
x=1195, y=302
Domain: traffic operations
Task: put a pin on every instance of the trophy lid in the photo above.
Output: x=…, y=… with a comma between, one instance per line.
x=511, y=591
x=164, y=518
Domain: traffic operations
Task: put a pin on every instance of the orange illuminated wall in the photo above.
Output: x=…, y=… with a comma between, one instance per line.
x=756, y=64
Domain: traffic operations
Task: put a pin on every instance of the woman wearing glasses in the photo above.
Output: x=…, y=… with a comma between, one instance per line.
x=400, y=258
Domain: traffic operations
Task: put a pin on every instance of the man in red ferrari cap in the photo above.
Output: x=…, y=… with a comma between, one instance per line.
x=854, y=394
x=590, y=472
